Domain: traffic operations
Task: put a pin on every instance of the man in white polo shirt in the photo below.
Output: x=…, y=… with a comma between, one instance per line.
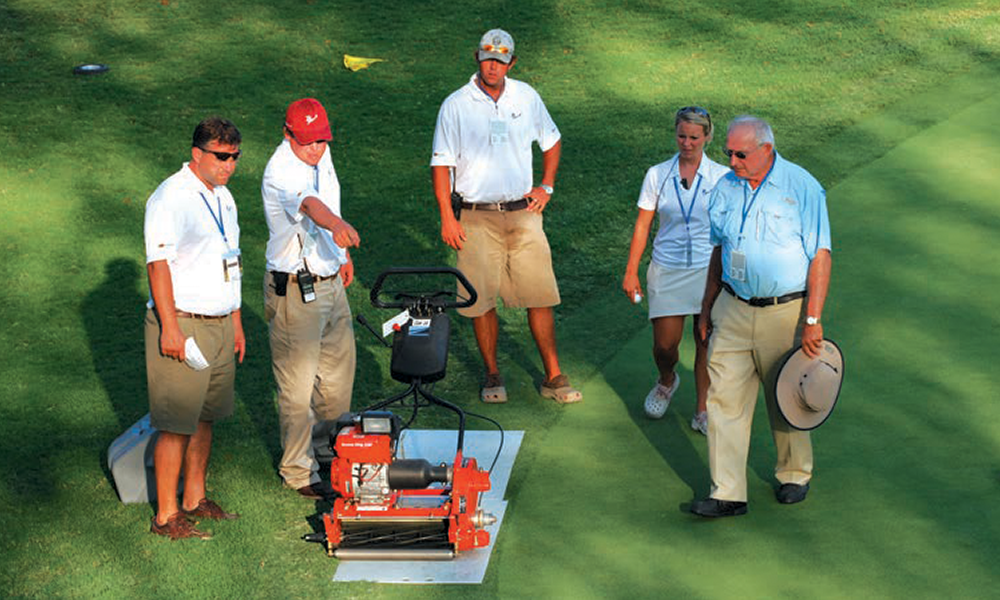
x=193, y=327
x=482, y=168
x=308, y=267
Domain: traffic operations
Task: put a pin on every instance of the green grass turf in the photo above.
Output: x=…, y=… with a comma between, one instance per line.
x=903, y=499
x=911, y=453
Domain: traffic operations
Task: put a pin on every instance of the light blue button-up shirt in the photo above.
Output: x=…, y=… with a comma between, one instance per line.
x=780, y=229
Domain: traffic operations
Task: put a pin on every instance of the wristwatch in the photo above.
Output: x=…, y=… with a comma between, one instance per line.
x=810, y=320
x=548, y=189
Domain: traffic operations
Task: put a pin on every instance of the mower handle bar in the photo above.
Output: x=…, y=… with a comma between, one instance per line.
x=429, y=297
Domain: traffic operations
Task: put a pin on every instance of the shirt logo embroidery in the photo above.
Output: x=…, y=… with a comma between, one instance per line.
x=309, y=120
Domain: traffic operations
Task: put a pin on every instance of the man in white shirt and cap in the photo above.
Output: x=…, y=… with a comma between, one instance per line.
x=308, y=268
x=491, y=211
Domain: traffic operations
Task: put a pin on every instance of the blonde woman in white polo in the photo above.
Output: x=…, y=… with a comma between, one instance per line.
x=678, y=190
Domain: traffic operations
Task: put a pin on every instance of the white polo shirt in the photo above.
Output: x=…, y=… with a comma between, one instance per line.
x=489, y=143
x=184, y=226
x=681, y=216
x=294, y=236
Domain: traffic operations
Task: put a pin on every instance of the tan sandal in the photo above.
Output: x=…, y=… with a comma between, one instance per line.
x=560, y=390
x=493, y=390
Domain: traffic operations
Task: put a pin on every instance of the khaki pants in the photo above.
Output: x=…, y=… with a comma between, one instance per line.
x=745, y=350
x=313, y=358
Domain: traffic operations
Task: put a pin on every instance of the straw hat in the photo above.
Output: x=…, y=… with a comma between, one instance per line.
x=806, y=389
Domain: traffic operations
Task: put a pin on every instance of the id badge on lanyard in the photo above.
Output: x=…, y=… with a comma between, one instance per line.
x=308, y=245
x=738, y=265
x=232, y=262
x=499, y=135
x=232, y=266
x=686, y=214
x=737, y=259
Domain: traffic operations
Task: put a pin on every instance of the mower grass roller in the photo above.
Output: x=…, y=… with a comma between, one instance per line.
x=392, y=508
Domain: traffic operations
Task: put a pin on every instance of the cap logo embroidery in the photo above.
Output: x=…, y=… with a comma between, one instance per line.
x=310, y=119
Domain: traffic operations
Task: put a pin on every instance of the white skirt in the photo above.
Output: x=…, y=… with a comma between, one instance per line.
x=672, y=292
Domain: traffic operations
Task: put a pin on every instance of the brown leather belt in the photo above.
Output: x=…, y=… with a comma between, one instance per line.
x=761, y=302
x=186, y=315
x=497, y=206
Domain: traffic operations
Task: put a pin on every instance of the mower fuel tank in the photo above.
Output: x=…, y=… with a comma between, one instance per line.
x=420, y=349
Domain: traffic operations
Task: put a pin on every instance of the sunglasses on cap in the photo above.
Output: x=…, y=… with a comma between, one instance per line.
x=497, y=49
x=223, y=156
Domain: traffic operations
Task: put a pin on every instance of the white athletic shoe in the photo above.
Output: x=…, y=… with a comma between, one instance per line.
x=659, y=398
x=699, y=422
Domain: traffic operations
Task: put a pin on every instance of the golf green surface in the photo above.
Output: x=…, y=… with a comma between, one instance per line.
x=904, y=495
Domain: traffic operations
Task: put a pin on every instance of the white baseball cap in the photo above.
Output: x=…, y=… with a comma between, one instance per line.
x=496, y=44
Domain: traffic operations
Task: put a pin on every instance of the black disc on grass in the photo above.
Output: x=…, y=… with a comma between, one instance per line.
x=90, y=69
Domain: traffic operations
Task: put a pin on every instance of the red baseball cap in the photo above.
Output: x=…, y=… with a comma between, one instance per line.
x=306, y=119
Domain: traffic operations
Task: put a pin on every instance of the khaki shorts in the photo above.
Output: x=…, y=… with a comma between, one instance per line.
x=179, y=396
x=506, y=254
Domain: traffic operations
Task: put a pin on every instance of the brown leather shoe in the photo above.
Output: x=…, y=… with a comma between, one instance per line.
x=309, y=491
x=207, y=509
x=316, y=491
x=178, y=527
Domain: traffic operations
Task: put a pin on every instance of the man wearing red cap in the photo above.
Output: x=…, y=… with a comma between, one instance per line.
x=491, y=211
x=308, y=267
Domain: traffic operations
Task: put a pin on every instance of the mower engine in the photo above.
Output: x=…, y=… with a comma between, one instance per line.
x=400, y=508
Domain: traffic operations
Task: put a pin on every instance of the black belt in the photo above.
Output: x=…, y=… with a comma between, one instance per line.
x=497, y=206
x=316, y=278
x=759, y=302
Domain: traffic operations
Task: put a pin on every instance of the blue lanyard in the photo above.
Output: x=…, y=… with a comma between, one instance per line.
x=218, y=220
x=747, y=207
x=316, y=177
x=694, y=197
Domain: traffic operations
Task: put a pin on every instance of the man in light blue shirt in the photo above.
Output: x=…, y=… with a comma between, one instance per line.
x=771, y=258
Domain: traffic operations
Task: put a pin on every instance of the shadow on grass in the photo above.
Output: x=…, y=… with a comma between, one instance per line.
x=113, y=314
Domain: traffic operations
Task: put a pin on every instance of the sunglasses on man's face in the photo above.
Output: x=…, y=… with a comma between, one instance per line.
x=740, y=155
x=223, y=156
